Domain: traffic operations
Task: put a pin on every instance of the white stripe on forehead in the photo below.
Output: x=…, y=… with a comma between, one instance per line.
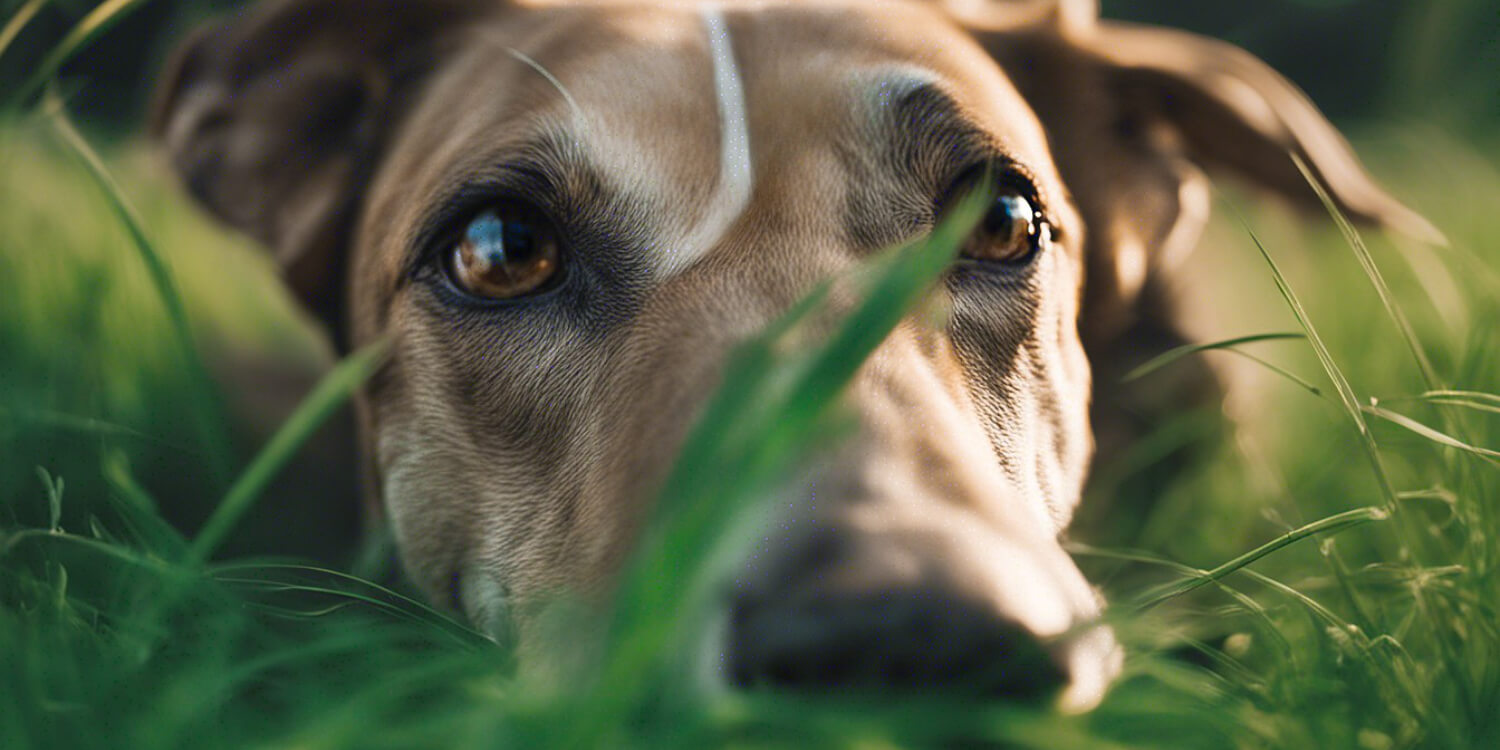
x=736, y=177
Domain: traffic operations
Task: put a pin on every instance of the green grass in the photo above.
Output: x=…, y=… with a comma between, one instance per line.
x=1329, y=578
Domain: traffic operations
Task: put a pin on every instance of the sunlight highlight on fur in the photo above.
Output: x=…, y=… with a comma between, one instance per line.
x=736, y=174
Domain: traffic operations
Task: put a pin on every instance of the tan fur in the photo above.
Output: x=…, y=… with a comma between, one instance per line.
x=516, y=448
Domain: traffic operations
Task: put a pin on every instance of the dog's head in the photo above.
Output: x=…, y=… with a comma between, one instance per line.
x=564, y=216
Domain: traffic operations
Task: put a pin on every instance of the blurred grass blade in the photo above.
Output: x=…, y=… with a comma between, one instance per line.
x=1488, y=398
x=1429, y=433
x=23, y=418
x=1475, y=400
x=98, y=20
x=43, y=537
x=771, y=404
x=1231, y=345
x=209, y=420
x=1330, y=525
x=17, y=22
x=116, y=470
x=331, y=392
x=1172, y=355
x=54, y=498
x=1290, y=376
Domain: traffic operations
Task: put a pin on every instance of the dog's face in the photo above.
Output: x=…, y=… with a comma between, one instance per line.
x=563, y=217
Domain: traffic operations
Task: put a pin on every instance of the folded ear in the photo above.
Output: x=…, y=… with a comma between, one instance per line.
x=275, y=117
x=1135, y=114
x=1236, y=113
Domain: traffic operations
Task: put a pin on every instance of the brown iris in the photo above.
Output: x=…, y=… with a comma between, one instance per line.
x=1011, y=232
x=505, y=252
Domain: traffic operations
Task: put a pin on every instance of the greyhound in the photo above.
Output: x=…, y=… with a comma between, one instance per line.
x=563, y=215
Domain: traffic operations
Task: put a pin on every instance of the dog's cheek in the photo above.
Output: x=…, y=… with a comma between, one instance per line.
x=1024, y=363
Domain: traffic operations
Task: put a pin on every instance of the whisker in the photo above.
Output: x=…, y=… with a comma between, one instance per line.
x=552, y=79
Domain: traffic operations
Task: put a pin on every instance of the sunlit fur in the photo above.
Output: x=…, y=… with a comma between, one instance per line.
x=708, y=165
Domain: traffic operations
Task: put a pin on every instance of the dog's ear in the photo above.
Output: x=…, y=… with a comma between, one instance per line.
x=275, y=117
x=1134, y=114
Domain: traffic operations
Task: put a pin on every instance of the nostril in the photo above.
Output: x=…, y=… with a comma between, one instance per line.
x=901, y=640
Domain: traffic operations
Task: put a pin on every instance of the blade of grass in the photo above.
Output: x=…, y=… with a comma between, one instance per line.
x=461, y=632
x=1341, y=384
x=1427, y=432
x=114, y=552
x=1262, y=617
x=54, y=498
x=209, y=420
x=1347, y=397
x=17, y=22
x=751, y=432
x=1486, y=402
x=136, y=511
x=1331, y=525
x=1172, y=355
x=1478, y=406
x=84, y=425
x=1408, y=336
x=116, y=471
x=1287, y=374
x=331, y=392
x=1372, y=271
x=97, y=21
x=469, y=639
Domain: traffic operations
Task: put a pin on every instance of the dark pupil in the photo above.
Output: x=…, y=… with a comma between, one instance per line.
x=1001, y=220
x=520, y=241
x=1009, y=219
x=499, y=242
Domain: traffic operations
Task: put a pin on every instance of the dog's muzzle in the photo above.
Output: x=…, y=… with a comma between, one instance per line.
x=909, y=561
x=877, y=604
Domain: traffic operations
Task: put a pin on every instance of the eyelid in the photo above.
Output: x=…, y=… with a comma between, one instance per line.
x=1004, y=171
x=1016, y=175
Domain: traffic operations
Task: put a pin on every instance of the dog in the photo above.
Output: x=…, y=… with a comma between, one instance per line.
x=563, y=216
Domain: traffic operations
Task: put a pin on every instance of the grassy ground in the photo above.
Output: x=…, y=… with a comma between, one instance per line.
x=1367, y=618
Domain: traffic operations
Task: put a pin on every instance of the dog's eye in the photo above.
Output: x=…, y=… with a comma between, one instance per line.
x=1012, y=229
x=505, y=252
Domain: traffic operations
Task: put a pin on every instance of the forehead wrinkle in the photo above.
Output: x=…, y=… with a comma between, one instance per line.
x=935, y=132
x=927, y=126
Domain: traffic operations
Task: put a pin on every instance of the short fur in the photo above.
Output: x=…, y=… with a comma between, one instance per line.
x=515, y=446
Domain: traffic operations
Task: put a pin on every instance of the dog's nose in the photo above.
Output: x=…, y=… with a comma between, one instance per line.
x=912, y=639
